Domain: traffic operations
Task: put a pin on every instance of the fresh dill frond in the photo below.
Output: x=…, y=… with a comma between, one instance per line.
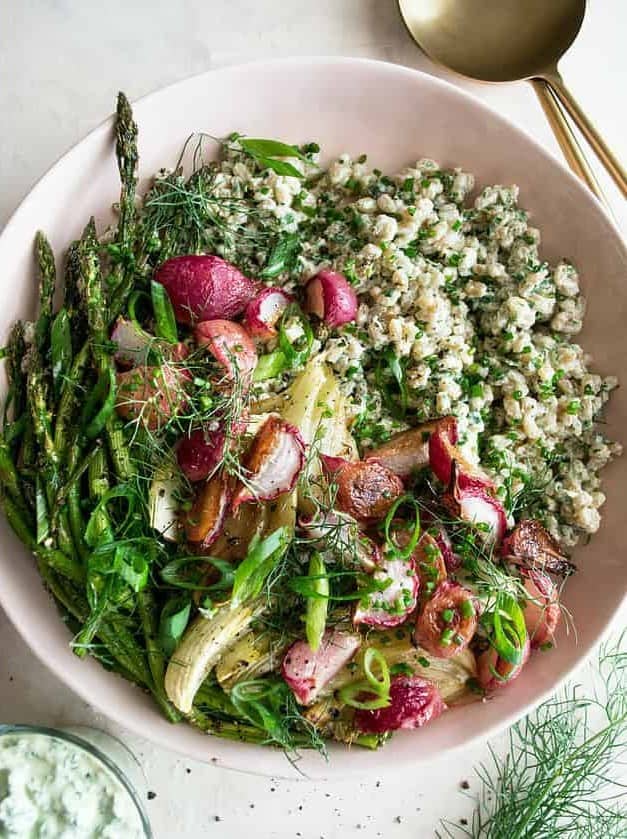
x=560, y=776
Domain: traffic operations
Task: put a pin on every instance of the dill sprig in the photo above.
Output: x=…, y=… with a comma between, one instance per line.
x=558, y=779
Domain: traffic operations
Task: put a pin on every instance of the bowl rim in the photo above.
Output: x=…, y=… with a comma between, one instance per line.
x=492, y=727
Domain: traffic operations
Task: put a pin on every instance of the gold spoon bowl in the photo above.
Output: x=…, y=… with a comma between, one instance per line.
x=509, y=40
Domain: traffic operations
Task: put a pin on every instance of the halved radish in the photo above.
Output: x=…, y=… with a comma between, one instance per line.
x=443, y=540
x=406, y=452
x=307, y=672
x=414, y=701
x=263, y=313
x=151, y=394
x=531, y=546
x=395, y=603
x=203, y=524
x=430, y=565
x=365, y=489
x=200, y=453
x=472, y=500
x=231, y=346
x=331, y=297
x=494, y=672
x=272, y=464
x=448, y=620
x=205, y=287
x=542, y=609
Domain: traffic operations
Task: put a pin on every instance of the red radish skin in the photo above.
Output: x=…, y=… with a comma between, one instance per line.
x=307, y=672
x=272, y=464
x=470, y=492
x=430, y=565
x=152, y=395
x=472, y=500
x=493, y=672
x=205, y=287
x=200, y=453
x=392, y=606
x=231, y=346
x=414, y=701
x=443, y=452
x=331, y=298
x=542, y=609
x=451, y=560
x=264, y=312
x=432, y=623
x=365, y=489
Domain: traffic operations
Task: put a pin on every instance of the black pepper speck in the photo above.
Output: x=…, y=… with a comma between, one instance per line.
x=151, y=795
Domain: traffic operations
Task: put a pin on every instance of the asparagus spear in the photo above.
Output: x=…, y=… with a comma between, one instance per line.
x=47, y=285
x=72, y=299
x=122, y=277
x=96, y=316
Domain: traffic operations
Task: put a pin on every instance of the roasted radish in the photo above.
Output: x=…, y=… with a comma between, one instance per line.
x=394, y=603
x=413, y=702
x=205, y=287
x=494, y=672
x=231, y=346
x=542, y=609
x=406, y=452
x=152, y=395
x=430, y=565
x=530, y=546
x=451, y=560
x=203, y=523
x=331, y=298
x=472, y=500
x=272, y=464
x=264, y=312
x=365, y=489
x=200, y=453
x=448, y=620
x=307, y=672
x=443, y=452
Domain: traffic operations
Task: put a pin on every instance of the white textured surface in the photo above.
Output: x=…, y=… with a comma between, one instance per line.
x=61, y=64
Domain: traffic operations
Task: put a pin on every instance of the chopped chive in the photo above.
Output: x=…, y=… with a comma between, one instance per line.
x=467, y=609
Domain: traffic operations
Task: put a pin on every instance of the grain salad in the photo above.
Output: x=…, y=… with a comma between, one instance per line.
x=450, y=278
x=304, y=449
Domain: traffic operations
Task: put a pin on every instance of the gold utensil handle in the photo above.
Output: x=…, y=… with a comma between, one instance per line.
x=566, y=138
x=601, y=149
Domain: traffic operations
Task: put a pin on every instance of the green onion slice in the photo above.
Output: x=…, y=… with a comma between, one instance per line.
x=375, y=685
x=165, y=322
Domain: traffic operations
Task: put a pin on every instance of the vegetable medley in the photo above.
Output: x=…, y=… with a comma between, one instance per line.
x=302, y=449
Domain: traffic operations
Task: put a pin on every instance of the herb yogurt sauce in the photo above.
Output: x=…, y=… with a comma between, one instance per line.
x=53, y=789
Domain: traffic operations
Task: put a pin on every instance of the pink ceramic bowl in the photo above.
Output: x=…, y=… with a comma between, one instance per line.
x=396, y=115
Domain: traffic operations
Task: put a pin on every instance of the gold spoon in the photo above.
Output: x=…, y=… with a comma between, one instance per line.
x=509, y=40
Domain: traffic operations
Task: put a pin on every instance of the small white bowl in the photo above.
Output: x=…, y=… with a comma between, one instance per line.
x=397, y=116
